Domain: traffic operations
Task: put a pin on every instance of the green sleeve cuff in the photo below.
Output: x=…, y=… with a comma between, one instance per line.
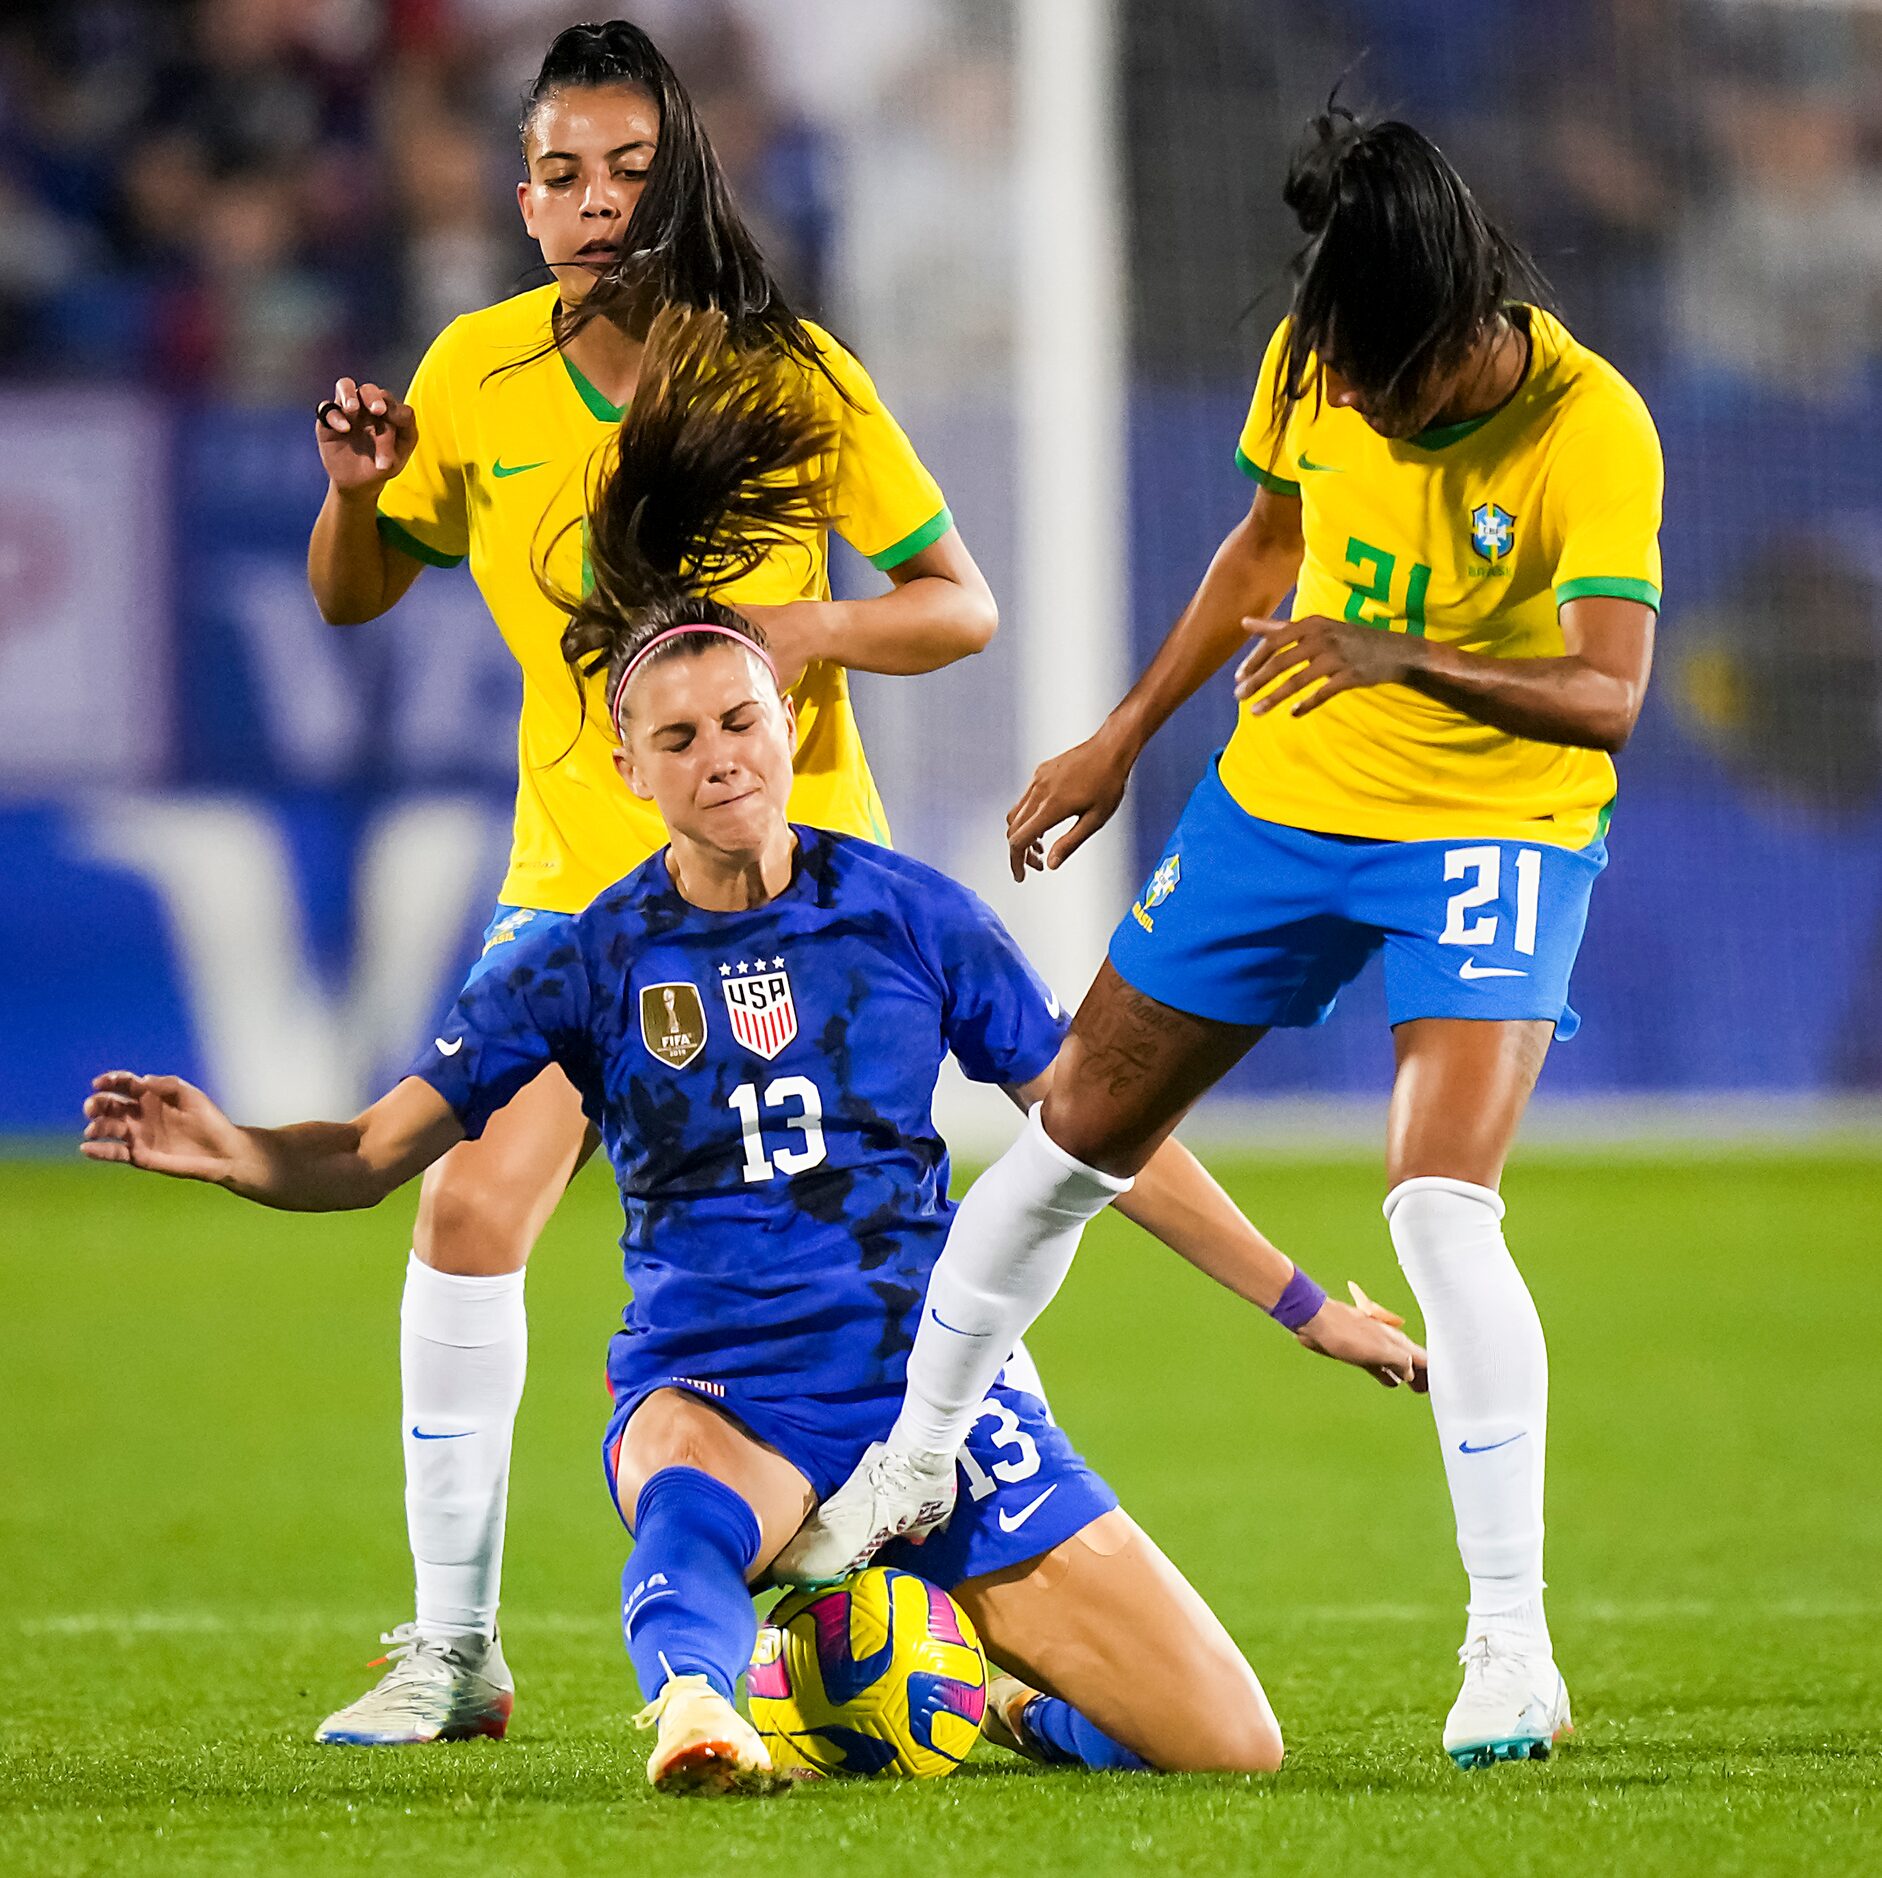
x=911, y=545
x=1608, y=586
x=1266, y=478
x=406, y=542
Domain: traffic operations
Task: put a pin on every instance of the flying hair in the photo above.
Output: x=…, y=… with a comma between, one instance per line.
x=721, y=460
x=1401, y=271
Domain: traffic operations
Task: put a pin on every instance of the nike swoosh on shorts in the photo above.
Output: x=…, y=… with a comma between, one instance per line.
x=1471, y=969
x=1012, y=1522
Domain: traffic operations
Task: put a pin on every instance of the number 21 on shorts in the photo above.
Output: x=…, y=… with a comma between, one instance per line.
x=1482, y=869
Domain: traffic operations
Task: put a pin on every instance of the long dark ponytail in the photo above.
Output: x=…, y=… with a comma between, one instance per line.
x=686, y=243
x=1401, y=271
x=717, y=464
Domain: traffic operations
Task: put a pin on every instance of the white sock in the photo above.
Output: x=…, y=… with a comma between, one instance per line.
x=1008, y=1251
x=1489, y=1391
x=463, y=1345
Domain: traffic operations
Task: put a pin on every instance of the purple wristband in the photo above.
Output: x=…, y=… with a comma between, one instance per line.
x=1298, y=1303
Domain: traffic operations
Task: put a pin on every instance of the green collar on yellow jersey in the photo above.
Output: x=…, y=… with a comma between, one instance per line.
x=1440, y=436
x=598, y=406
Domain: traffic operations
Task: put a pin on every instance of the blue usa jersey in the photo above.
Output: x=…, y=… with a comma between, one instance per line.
x=763, y=1083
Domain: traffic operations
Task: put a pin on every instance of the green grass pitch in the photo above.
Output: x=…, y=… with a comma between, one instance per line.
x=200, y=1536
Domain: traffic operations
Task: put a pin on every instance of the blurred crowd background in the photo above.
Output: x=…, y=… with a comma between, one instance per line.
x=233, y=198
x=209, y=208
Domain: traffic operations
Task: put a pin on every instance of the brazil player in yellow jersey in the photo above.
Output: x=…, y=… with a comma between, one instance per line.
x=492, y=456
x=1466, y=504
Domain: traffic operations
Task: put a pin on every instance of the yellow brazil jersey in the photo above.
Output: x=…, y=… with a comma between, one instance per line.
x=500, y=472
x=1474, y=535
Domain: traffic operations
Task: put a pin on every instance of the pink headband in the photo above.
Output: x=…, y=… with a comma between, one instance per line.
x=654, y=644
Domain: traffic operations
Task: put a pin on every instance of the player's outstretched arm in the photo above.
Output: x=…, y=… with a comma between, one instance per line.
x=168, y=1126
x=1252, y=570
x=1176, y=1199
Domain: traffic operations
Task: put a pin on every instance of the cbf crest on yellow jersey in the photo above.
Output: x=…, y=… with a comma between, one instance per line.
x=501, y=470
x=1474, y=535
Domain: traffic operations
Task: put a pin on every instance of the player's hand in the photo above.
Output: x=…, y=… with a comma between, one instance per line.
x=365, y=435
x=1083, y=786
x=161, y=1123
x=1330, y=655
x=794, y=635
x=1368, y=1336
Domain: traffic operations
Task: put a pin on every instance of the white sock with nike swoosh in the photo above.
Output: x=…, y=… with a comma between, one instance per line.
x=1489, y=1391
x=1008, y=1250
x=463, y=1349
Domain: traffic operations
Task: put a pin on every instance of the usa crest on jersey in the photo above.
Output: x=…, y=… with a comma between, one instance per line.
x=758, y=1000
x=1492, y=531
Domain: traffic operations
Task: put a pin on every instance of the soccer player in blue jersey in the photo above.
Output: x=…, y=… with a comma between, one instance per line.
x=755, y=1019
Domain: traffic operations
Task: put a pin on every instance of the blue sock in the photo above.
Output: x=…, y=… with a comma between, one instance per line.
x=1069, y=1738
x=685, y=1608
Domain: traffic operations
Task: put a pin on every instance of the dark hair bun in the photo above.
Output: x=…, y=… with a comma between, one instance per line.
x=597, y=53
x=1313, y=174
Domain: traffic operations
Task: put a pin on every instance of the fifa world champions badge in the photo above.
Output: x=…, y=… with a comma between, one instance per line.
x=1492, y=532
x=672, y=1023
x=758, y=1000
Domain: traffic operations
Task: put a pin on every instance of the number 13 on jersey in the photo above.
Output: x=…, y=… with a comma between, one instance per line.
x=779, y=1094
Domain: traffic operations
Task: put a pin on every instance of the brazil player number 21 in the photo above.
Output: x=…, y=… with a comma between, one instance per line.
x=1420, y=771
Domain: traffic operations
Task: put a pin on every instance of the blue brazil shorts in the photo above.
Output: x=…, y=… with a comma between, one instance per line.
x=1252, y=922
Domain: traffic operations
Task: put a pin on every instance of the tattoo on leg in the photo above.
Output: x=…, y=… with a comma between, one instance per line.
x=1127, y=1035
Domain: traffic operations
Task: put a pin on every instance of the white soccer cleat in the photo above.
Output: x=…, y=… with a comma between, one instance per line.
x=891, y=1495
x=1513, y=1705
x=438, y=1689
x=705, y=1745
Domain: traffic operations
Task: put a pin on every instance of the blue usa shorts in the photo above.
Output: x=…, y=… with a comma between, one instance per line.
x=1252, y=922
x=508, y=923
x=1023, y=1487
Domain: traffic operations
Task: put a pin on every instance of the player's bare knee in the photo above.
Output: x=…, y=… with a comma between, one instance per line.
x=1246, y=1741
x=470, y=1224
x=1234, y=1729
x=675, y=1429
x=1254, y=1747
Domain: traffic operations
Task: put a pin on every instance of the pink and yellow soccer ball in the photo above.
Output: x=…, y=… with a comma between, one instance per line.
x=880, y=1674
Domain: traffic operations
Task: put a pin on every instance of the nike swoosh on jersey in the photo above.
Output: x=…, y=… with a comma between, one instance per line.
x=501, y=469
x=1054, y=1009
x=447, y=1049
x=1471, y=969
x=1012, y=1522
x=1464, y=1447
x=1307, y=463
x=456, y=1434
